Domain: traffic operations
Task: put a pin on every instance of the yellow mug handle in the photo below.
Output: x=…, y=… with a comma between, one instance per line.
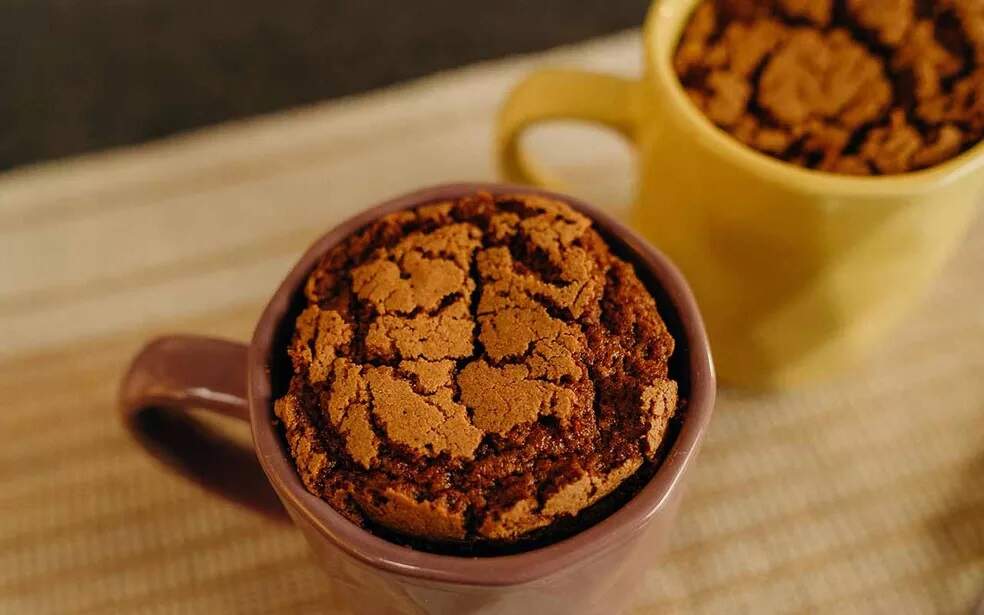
x=553, y=94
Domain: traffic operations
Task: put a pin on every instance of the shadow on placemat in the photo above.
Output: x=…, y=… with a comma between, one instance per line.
x=209, y=458
x=959, y=532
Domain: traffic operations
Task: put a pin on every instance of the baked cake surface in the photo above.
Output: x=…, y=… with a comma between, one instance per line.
x=859, y=87
x=475, y=370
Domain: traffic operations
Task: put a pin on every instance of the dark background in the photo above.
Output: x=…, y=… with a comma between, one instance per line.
x=81, y=75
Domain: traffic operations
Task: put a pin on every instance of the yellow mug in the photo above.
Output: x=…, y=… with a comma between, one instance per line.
x=797, y=272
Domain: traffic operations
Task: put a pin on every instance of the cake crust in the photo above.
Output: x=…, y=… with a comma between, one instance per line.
x=475, y=370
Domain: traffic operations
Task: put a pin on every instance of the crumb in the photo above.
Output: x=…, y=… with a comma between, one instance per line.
x=769, y=139
x=890, y=149
x=728, y=96
x=888, y=19
x=928, y=60
x=946, y=145
x=743, y=46
x=964, y=106
x=823, y=76
x=824, y=139
x=693, y=44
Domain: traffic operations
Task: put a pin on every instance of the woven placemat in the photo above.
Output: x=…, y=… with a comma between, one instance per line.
x=863, y=494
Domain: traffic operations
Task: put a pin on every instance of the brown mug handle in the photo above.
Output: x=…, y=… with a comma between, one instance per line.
x=173, y=374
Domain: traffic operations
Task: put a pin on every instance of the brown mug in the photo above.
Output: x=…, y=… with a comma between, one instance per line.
x=594, y=571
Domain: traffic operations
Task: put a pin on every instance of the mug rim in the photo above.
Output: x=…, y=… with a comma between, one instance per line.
x=514, y=569
x=663, y=28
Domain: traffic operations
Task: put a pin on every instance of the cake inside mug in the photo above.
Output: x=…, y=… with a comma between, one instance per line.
x=477, y=373
x=859, y=87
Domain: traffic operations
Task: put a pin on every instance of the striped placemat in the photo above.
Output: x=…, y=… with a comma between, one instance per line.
x=865, y=494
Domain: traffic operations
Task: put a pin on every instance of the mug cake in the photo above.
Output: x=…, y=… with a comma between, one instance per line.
x=861, y=87
x=477, y=371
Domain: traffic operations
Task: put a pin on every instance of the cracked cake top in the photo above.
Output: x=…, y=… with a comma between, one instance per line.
x=859, y=87
x=475, y=370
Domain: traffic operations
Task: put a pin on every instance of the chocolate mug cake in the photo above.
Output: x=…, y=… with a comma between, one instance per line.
x=860, y=87
x=476, y=371
x=566, y=257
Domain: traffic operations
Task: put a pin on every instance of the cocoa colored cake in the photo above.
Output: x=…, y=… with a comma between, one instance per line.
x=863, y=87
x=475, y=371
